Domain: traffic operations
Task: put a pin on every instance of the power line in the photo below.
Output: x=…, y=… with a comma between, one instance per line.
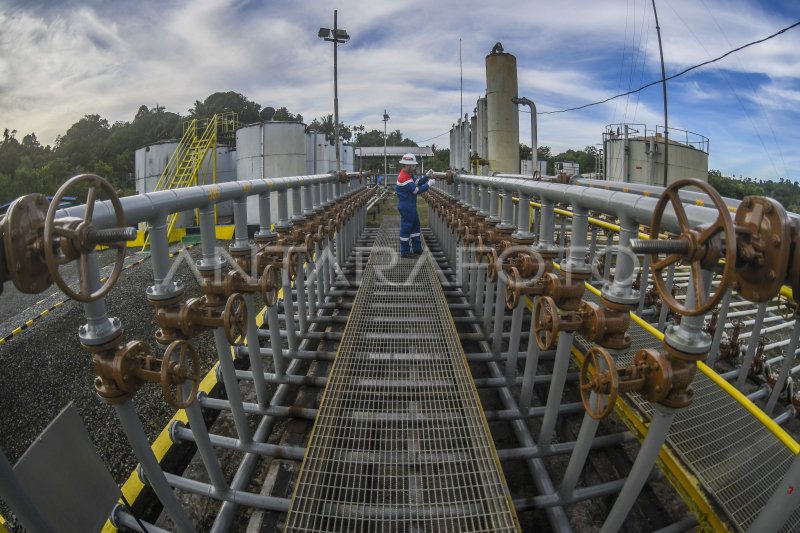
x=432, y=138
x=681, y=73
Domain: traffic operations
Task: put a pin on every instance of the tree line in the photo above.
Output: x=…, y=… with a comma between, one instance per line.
x=92, y=144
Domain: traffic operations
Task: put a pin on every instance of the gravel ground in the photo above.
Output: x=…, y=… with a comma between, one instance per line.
x=44, y=367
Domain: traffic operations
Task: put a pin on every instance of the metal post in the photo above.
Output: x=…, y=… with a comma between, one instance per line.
x=751, y=346
x=721, y=319
x=529, y=376
x=557, y=382
x=788, y=359
x=155, y=476
x=642, y=466
x=513, y=343
x=579, y=454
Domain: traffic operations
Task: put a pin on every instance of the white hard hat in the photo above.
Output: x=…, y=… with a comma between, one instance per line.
x=408, y=159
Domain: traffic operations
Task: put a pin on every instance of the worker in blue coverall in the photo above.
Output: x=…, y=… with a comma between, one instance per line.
x=407, y=188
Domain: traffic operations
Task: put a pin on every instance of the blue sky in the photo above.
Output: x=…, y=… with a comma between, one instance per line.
x=62, y=60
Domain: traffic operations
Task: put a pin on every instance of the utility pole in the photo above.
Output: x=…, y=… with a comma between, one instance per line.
x=337, y=36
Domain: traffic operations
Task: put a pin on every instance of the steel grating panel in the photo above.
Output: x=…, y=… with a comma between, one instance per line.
x=400, y=442
x=737, y=460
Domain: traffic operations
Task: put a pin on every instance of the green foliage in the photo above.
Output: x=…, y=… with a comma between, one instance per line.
x=785, y=191
x=283, y=115
x=223, y=102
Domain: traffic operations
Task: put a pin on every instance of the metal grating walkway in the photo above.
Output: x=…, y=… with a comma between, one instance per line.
x=400, y=442
x=733, y=456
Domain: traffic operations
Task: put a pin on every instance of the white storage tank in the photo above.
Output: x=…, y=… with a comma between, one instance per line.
x=151, y=160
x=316, y=157
x=348, y=157
x=635, y=154
x=502, y=115
x=270, y=150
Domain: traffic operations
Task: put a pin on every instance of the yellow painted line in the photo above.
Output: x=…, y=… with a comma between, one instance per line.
x=133, y=486
x=699, y=202
x=732, y=391
x=687, y=485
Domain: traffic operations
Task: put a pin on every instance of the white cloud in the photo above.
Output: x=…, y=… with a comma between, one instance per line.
x=60, y=63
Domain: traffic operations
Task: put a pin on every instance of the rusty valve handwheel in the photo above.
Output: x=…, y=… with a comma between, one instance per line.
x=79, y=238
x=545, y=322
x=491, y=259
x=180, y=364
x=270, y=283
x=234, y=319
x=512, y=288
x=602, y=383
x=697, y=241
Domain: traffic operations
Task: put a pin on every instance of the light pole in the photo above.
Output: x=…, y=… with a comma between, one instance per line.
x=336, y=36
x=385, y=173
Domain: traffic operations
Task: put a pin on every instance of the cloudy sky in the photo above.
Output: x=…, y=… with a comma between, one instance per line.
x=62, y=60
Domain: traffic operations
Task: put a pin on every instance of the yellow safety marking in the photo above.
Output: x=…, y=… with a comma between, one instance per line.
x=225, y=233
x=246, y=186
x=133, y=486
x=699, y=202
x=214, y=193
x=269, y=184
x=732, y=391
x=625, y=189
x=687, y=485
x=646, y=193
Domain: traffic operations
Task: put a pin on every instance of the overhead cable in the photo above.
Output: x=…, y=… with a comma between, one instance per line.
x=681, y=73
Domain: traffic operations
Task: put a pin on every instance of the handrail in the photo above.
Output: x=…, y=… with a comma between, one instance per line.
x=743, y=400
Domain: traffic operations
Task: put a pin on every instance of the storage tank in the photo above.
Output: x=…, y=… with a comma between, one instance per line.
x=151, y=160
x=635, y=154
x=269, y=150
x=316, y=157
x=348, y=157
x=502, y=115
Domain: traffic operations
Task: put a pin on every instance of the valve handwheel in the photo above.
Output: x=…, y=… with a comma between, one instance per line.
x=491, y=259
x=270, y=283
x=234, y=319
x=546, y=321
x=602, y=382
x=512, y=288
x=698, y=241
x=181, y=364
x=77, y=237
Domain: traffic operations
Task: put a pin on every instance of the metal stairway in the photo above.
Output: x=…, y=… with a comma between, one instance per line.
x=183, y=168
x=400, y=442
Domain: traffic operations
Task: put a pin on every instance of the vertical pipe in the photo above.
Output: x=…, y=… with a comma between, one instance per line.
x=155, y=476
x=513, y=343
x=194, y=414
x=662, y=317
x=642, y=466
x=557, y=382
x=297, y=204
x=531, y=365
x=264, y=215
x=722, y=317
x=752, y=343
x=785, y=367
x=579, y=454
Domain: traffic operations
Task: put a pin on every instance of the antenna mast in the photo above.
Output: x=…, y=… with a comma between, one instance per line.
x=461, y=67
x=664, y=85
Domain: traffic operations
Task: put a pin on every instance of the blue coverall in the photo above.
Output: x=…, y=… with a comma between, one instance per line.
x=407, y=188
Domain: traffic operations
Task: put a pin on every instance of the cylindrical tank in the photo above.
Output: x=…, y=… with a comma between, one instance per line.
x=348, y=157
x=269, y=150
x=151, y=160
x=501, y=113
x=482, y=132
x=643, y=161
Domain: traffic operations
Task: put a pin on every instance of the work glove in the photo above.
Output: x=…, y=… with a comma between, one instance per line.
x=429, y=173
